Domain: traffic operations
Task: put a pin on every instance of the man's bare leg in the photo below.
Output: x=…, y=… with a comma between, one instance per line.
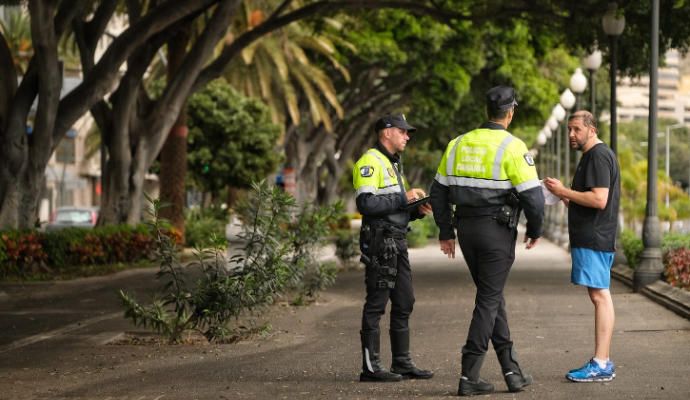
x=604, y=318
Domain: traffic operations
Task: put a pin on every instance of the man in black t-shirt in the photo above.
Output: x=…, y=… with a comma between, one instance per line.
x=592, y=223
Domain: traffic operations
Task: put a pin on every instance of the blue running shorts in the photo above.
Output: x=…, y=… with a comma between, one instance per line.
x=591, y=268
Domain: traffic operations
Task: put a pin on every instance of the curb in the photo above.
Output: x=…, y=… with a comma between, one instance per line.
x=673, y=298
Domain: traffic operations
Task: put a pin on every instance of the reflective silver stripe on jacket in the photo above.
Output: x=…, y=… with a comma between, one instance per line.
x=473, y=182
x=450, y=162
x=366, y=189
x=498, y=159
x=527, y=185
x=389, y=187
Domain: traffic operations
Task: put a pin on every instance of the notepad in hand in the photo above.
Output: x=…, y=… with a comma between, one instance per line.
x=418, y=202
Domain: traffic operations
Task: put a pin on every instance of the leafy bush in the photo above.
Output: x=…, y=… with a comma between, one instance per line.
x=674, y=240
x=632, y=247
x=421, y=231
x=676, y=256
x=677, y=267
x=306, y=233
x=202, y=224
x=25, y=253
x=278, y=254
x=347, y=247
x=316, y=277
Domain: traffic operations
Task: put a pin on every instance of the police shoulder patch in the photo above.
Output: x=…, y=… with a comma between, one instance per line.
x=528, y=159
x=366, y=171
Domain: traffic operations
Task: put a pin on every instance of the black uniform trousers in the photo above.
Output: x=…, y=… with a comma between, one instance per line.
x=401, y=297
x=489, y=250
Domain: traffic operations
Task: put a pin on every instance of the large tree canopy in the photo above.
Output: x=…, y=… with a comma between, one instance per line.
x=135, y=126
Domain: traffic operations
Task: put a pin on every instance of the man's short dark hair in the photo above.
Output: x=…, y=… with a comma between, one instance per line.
x=587, y=118
x=497, y=114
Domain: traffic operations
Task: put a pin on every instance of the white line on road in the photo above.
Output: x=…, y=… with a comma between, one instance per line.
x=57, y=332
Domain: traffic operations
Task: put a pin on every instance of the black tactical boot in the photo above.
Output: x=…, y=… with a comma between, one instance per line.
x=516, y=380
x=402, y=362
x=371, y=364
x=470, y=382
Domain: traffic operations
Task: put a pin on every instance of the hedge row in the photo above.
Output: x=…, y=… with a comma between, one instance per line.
x=25, y=252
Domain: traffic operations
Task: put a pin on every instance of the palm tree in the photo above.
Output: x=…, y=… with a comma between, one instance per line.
x=278, y=69
x=16, y=29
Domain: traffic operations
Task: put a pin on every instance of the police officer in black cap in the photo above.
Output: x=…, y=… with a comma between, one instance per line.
x=384, y=202
x=488, y=175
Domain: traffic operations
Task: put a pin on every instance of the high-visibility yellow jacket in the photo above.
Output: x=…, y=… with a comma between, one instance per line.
x=478, y=171
x=380, y=184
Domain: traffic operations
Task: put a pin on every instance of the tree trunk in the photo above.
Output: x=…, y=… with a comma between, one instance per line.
x=49, y=83
x=233, y=196
x=173, y=157
x=136, y=182
x=153, y=132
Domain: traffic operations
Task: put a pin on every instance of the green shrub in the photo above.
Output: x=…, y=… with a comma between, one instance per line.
x=347, y=247
x=421, y=231
x=674, y=240
x=317, y=277
x=632, y=247
x=201, y=225
x=25, y=253
x=676, y=256
x=278, y=253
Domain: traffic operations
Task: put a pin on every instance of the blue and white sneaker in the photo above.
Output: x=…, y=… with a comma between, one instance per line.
x=592, y=372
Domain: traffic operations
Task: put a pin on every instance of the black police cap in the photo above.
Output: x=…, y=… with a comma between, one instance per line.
x=501, y=98
x=393, y=120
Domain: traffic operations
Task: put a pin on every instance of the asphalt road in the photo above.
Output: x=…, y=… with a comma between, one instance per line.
x=53, y=341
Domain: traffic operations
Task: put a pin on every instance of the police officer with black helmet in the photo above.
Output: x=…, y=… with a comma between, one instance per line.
x=384, y=202
x=488, y=176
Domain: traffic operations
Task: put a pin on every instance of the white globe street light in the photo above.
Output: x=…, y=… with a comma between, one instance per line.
x=558, y=112
x=592, y=62
x=552, y=123
x=613, y=22
x=578, y=84
x=567, y=99
x=541, y=138
x=546, y=131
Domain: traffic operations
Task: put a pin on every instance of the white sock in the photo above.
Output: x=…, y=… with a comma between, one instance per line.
x=602, y=363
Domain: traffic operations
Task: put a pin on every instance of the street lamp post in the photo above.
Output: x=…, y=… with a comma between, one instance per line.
x=552, y=126
x=592, y=62
x=668, y=155
x=613, y=25
x=650, y=267
x=567, y=101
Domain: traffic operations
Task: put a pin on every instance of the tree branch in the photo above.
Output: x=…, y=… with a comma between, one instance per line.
x=178, y=89
x=95, y=28
x=215, y=69
x=49, y=75
x=279, y=9
x=105, y=74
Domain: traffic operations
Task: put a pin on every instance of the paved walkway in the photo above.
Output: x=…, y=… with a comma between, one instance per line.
x=52, y=341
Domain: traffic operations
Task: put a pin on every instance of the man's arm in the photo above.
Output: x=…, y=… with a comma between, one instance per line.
x=443, y=215
x=532, y=204
x=594, y=198
x=376, y=206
